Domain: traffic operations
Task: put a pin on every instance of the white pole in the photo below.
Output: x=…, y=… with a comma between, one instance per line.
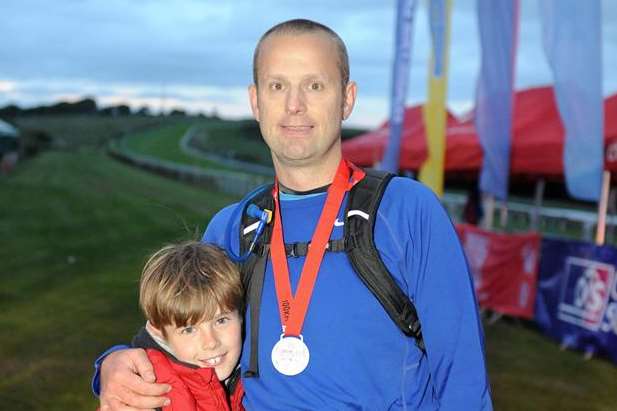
x=503, y=214
x=488, y=204
x=537, y=209
x=611, y=209
x=601, y=228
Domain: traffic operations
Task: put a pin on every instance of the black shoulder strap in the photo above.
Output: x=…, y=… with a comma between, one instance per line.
x=360, y=218
x=253, y=271
x=263, y=200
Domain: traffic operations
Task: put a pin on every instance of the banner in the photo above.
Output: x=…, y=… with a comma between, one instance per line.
x=498, y=27
x=406, y=10
x=504, y=269
x=577, y=296
x=573, y=45
x=431, y=172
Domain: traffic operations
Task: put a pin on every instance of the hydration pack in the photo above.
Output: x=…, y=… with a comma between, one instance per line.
x=357, y=243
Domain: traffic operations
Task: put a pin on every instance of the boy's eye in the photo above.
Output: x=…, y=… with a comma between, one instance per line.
x=222, y=320
x=188, y=330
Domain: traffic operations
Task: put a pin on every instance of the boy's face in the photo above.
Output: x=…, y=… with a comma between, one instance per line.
x=215, y=343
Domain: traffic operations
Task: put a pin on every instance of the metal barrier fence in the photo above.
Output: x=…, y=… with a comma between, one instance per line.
x=241, y=183
x=225, y=181
x=561, y=219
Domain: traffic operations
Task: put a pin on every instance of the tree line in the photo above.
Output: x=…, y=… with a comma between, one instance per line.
x=85, y=106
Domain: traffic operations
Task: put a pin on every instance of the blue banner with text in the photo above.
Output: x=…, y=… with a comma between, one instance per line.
x=576, y=301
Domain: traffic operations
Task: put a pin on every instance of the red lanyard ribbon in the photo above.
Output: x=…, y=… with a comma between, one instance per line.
x=293, y=309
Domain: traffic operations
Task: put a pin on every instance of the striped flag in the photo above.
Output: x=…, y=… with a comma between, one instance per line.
x=573, y=45
x=400, y=73
x=431, y=172
x=498, y=27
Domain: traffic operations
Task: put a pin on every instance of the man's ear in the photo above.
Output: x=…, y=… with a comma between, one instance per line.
x=253, y=101
x=349, y=99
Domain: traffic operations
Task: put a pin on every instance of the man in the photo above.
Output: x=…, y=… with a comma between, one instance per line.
x=346, y=353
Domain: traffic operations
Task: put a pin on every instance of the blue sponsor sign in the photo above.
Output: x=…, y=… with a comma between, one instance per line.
x=577, y=295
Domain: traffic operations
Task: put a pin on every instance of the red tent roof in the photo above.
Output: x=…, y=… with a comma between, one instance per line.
x=537, y=143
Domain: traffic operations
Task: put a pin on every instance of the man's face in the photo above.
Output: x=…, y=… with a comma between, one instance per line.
x=300, y=102
x=214, y=343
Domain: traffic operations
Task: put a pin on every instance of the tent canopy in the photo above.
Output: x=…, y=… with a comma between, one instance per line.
x=537, y=138
x=7, y=130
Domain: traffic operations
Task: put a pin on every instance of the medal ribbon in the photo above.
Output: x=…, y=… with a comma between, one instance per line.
x=292, y=309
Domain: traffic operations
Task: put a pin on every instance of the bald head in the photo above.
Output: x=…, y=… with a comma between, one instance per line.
x=298, y=27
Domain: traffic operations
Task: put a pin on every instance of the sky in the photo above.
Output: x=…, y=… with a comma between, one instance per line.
x=197, y=54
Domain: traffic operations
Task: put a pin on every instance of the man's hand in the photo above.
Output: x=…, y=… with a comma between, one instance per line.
x=127, y=382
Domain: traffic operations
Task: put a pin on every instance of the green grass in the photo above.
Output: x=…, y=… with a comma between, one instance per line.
x=240, y=140
x=73, y=131
x=164, y=143
x=76, y=228
x=529, y=372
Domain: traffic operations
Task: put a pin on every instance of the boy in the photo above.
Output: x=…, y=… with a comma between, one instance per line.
x=192, y=298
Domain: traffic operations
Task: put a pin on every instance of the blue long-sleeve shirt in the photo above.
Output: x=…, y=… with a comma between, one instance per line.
x=359, y=359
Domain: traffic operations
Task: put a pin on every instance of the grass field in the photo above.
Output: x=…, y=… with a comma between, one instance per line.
x=164, y=142
x=528, y=372
x=75, y=229
x=74, y=131
x=239, y=140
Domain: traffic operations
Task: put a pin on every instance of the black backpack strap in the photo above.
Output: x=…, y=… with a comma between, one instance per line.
x=253, y=271
x=365, y=197
x=301, y=249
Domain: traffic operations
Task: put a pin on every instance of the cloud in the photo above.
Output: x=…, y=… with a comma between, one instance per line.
x=7, y=86
x=198, y=53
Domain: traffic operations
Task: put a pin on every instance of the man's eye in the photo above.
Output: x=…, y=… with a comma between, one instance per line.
x=276, y=86
x=316, y=86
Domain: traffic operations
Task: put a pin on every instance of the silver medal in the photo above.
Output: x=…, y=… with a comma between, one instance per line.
x=290, y=355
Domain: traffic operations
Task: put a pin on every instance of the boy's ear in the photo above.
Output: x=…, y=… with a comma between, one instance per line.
x=155, y=331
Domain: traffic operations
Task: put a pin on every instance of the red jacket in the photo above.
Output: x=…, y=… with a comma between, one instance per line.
x=193, y=389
